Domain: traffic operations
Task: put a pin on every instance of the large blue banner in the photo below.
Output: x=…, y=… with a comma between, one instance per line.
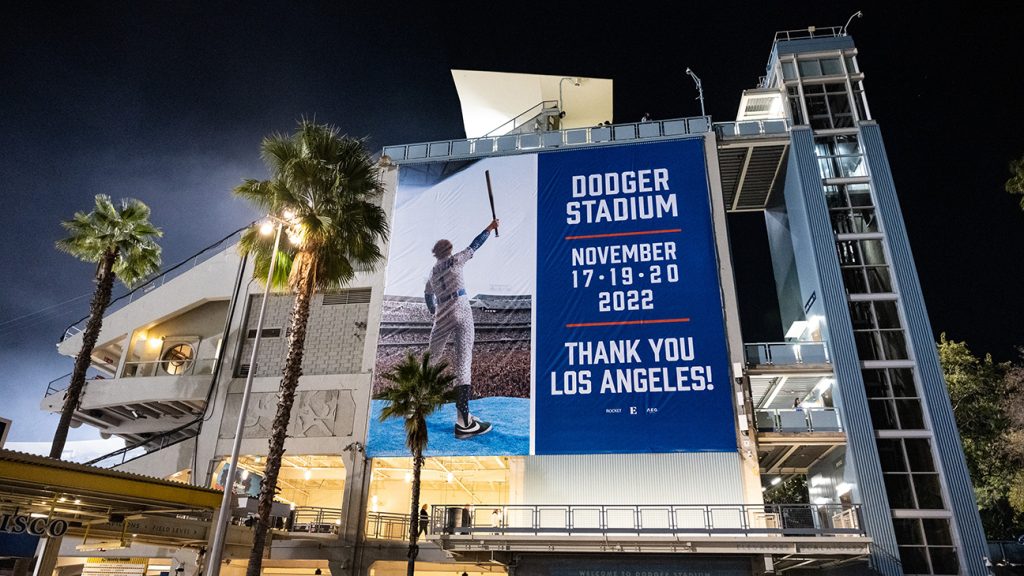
x=630, y=340
x=591, y=322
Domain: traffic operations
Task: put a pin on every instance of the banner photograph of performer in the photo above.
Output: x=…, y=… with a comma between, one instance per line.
x=446, y=297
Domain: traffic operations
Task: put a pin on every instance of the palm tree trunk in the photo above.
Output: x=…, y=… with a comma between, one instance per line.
x=414, y=516
x=100, y=301
x=286, y=398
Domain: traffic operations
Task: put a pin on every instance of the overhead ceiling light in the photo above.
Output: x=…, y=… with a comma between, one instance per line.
x=450, y=477
x=308, y=475
x=776, y=481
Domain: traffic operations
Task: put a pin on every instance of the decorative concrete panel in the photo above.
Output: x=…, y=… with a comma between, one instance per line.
x=316, y=414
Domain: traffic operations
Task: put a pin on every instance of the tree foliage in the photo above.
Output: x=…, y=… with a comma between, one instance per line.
x=419, y=389
x=122, y=244
x=324, y=190
x=1015, y=185
x=989, y=408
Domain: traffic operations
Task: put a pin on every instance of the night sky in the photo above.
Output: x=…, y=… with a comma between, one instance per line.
x=167, y=102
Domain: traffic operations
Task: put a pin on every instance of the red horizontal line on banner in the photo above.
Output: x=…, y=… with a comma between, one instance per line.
x=627, y=322
x=614, y=234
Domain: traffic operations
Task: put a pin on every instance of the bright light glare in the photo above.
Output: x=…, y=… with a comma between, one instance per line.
x=288, y=214
x=267, y=228
x=308, y=474
x=776, y=481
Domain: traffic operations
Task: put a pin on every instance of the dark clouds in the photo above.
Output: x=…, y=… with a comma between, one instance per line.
x=167, y=102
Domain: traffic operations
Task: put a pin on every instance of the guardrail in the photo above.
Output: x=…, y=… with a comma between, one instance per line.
x=387, y=526
x=798, y=420
x=141, y=448
x=315, y=520
x=751, y=128
x=202, y=366
x=654, y=520
x=785, y=353
x=523, y=117
x=536, y=141
x=810, y=32
x=156, y=281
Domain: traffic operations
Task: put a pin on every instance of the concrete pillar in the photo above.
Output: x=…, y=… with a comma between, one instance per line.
x=46, y=561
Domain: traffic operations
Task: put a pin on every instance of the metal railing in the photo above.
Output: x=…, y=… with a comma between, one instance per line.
x=387, y=526
x=524, y=117
x=59, y=384
x=149, y=445
x=537, y=141
x=202, y=366
x=785, y=353
x=709, y=520
x=315, y=520
x=156, y=281
x=809, y=32
x=751, y=128
x=798, y=420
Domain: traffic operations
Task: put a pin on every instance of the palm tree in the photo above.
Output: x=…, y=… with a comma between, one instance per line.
x=420, y=389
x=325, y=186
x=123, y=245
x=1015, y=185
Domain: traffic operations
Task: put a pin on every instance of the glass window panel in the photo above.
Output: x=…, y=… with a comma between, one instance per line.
x=874, y=383
x=893, y=344
x=853, y=279
x=788, y=71
x=863, y=220
x=867, y=346
x=872, y=252
x=831, y=66
x=878, y=279
x=897, y=488
x=859, y=194
x=883, y=414
x=886, y=315
x=909, y=411
x=834, y=196
x=890, y=455
x=914, y=560
x=860, y=315
x=929, y=493
x=847, y=252
x=851, y=65
x=809, y=68
x=901, y=380
x=936, y=530
x=814, y=89
x=908, y=531
x=919, y=456
x=944, y=561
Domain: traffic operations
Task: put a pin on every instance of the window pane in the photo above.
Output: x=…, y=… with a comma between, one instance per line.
x=886, y=315
x=929, y=493
x=860, y=194
x=834, y=196
x=944, y=561
x=897, y=488
x=890, y=456
x=851, y=65
x=914, y=560
x=831, y=66
x=910, y=414
x=874, y=383
x=809, y=68
x=937, y=532
x=918, y=455
x=878, y=279
x=868, y=346
x=853, y=279
x=901, y=380
x=894, y=345
x=872, y=252
x=908, y=531
x=860, y=315
x=788, y=71
x=883, y=414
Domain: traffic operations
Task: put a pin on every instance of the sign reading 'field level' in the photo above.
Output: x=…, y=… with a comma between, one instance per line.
x=630, y=342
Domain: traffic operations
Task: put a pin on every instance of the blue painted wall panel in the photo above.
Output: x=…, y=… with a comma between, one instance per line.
x=947, y=437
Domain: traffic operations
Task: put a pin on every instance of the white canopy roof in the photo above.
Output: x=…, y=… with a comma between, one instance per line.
x=490, y=99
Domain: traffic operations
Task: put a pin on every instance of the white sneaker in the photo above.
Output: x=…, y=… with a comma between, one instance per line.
x=476, y=427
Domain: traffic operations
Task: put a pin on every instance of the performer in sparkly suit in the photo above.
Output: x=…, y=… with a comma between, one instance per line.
x=446, y=298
